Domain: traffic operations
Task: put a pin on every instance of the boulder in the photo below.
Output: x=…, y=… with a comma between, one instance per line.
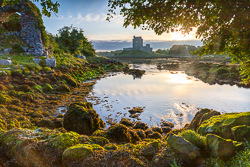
x=5, y=62
x=241, y=133
x=183, y=146
x=51, y=62
x=81, y=57
x=219, y=147
x=119, y=133
x=126, y=122
x=221, y=124
x=76, y=153
x=82, y=118
x=37, y=60
x=201, y=116
x=7, y=51
x=141, y=125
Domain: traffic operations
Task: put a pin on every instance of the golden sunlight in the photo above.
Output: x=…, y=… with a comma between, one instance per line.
x=179, y=78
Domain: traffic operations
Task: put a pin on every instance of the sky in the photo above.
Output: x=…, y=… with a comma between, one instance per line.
x=90, y=15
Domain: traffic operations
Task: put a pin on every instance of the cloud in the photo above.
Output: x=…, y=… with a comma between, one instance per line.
x=90, y=18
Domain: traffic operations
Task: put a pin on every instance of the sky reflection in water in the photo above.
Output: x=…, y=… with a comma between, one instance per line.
x=171, y=97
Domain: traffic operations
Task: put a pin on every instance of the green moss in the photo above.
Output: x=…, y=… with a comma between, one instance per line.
x=46, y=69
x=77, y=153
x=16, y=72
x=65, y=140
x=47, y=88
x=195, y=138
x=99, y=140
x=111, y=146
x=222, y=124
x=39, y=88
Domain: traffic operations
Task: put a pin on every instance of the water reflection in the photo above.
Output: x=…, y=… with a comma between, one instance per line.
x=165, y=96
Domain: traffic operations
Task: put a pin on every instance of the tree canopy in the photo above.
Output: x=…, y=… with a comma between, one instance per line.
x=48, y=6
x=223, y=25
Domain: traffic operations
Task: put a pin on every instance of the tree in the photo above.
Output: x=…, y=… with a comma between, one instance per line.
x=47, y=5
x=223, y=25
x=72, y=40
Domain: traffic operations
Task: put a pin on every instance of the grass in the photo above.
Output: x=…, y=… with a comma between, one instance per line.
x=195, y=138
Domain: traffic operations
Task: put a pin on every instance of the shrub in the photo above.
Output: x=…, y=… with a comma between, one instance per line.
x=16, y=49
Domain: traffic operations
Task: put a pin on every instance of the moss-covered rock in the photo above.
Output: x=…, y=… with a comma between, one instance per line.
x=155, y=135
x=64, y=140
x=150, y=150
x=241, y=133
x=111, y=146
x=82, y=118
x=221, y=125
x=126, y=122
x=76, y=153
x=140, y=125
x=63, y=88
x=219, y=147
x=119, y=133
x=166, y=129
x=201, y=116
x=99, y=140
x=183, y=146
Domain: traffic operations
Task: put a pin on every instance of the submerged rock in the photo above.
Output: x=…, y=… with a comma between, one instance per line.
x=183, y=146
x=82, y=118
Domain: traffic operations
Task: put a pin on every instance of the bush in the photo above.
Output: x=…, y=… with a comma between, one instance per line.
x=16, y=49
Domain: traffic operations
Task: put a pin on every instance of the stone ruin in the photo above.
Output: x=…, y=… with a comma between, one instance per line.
x=29, y=20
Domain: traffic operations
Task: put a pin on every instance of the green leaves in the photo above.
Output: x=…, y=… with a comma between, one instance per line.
x=223, y=25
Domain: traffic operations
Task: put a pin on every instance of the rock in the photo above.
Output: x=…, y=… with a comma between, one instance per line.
x=167, y=124
x=76, y=153
x=7, y=51
x=51, y=62
x=135, y=110
x=141, y=125
x=166, y=129
x=157, y=129
x=81, y=57
x=126, y=122
x=183, y=146
x=221, y=124
x=241, y=133
x=119, y=133
x=201, y=116
x=5, y=62
x=150, y=150
x=82, y=118
x=219, y=147
x=155, y=135
x=37, y=60
x=140, y=133
x=64, y=140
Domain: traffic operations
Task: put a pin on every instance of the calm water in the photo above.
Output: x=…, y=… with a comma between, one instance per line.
x=165, y=96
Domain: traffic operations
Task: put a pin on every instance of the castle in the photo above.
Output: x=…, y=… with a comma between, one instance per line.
x=138, y=45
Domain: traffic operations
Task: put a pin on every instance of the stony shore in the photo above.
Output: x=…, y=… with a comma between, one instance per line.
x=34, y=133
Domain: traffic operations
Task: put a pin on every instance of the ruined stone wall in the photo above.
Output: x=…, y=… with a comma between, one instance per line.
x=30, y=31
